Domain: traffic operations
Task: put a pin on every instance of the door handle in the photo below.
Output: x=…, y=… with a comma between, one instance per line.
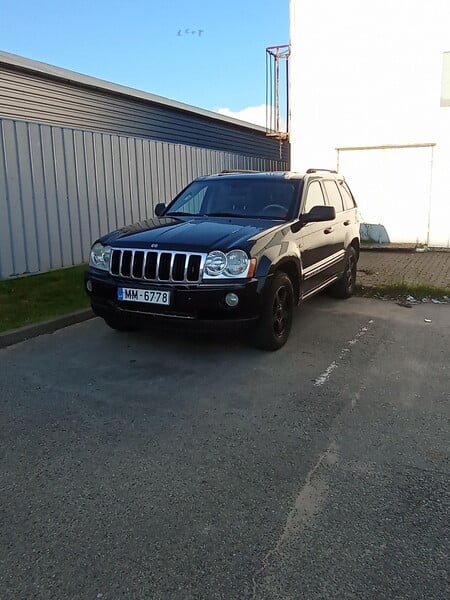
x=328, y=230
x=347, y=222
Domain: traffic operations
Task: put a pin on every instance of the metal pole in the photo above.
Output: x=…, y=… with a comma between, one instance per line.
x=271, y=91
x=287, y=93
x=430, y=197
x=277, y=91
x=267, y=93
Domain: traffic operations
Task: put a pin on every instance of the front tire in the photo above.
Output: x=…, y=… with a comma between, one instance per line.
x=274, y=325
x=345, y=285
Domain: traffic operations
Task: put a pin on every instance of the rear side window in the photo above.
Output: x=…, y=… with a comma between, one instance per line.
x=346, y=196
x=314, y=196
x=334, y=197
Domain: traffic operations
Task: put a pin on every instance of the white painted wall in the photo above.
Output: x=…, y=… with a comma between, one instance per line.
x=370, y=73
x=388, y=197
x=445, y=93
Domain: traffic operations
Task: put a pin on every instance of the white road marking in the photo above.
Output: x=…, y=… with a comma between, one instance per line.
x=325, y=376
x=307, y=505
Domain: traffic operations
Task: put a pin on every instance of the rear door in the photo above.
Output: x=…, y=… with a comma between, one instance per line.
x=351, y=222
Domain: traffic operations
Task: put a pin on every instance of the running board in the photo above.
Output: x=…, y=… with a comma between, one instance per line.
x=321, y=287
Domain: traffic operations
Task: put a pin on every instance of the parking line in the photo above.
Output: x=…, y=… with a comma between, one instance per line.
x=324, y=377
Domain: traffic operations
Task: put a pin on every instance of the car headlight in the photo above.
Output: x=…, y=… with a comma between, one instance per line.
x=234, y=264
x=237, y=263
x=100, y=256
x=216, y=263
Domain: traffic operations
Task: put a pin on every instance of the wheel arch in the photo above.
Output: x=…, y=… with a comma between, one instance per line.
x=356, y=245
x=291, y=266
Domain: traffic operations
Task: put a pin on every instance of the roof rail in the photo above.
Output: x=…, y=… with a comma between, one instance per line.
x=327, y=170
x=230, y=171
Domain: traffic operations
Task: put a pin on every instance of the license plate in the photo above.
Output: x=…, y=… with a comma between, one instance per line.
x=147, y=296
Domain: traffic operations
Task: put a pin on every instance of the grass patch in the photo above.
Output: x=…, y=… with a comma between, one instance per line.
x=35, y=298
x=401, y=290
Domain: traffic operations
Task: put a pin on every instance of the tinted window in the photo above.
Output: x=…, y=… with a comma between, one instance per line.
x=251, y=197
x=346, y=196
x=314, y=196
x=334, y=197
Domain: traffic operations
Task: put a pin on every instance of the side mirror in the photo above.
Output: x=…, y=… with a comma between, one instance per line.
x=318, y=214
x=159, y=209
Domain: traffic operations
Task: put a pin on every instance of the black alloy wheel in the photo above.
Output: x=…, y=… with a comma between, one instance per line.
x=280, y=311
x=274, y=325
x=345, y=285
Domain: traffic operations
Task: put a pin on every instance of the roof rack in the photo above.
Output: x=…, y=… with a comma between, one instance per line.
x=327, y=170
x=230, y=171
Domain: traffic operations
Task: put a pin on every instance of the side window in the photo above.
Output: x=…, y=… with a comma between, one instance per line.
x=346, y=196
x=314, y=197
x=334, y=197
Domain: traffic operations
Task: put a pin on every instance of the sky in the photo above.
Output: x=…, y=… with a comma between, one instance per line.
x=204, y=53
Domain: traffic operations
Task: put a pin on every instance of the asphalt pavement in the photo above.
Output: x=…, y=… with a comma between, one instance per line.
x=159, y=466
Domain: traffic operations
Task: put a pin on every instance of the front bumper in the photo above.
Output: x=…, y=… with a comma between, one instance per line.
x=193, y=304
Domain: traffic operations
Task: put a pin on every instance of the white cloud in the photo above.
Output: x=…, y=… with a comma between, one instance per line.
x=251, y=114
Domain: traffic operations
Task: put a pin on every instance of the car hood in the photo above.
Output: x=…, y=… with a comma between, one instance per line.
x=200, y=234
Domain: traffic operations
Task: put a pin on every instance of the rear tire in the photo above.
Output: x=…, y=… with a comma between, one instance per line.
x=274, y=325
x=344, y=287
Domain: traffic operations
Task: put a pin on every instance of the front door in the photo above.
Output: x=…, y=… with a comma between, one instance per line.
x=315, y=241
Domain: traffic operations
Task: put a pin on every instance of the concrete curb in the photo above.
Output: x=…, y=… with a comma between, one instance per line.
x=411, y=248
x=387, y=248
x=14, y=336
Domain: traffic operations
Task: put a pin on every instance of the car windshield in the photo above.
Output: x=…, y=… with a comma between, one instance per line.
x=259, y=198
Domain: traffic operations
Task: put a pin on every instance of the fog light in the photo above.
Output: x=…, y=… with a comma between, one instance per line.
x=232, y=299
x=89, y=285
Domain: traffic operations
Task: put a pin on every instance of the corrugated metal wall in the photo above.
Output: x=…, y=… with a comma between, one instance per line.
x=61, y=188
x=29, y=96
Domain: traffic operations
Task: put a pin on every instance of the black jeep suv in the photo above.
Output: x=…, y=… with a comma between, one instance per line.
x=235, y=248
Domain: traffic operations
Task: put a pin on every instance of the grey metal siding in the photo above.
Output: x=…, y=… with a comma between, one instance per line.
x=29, y=96
x=61, y=188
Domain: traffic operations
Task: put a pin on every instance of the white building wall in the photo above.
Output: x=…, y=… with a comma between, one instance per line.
x=370, y=74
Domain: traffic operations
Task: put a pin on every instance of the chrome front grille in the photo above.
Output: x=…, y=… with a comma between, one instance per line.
x=157, y=265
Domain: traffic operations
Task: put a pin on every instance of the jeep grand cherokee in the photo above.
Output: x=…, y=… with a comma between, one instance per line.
x=230, y=249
